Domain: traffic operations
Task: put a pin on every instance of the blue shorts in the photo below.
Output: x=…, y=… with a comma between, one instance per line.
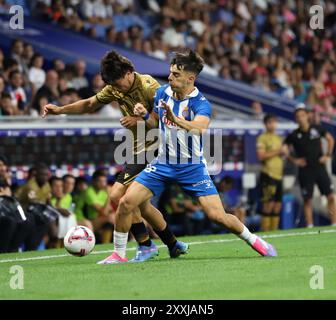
x=193, y=178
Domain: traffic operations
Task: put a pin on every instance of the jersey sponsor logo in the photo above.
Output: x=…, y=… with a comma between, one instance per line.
x=208, y=184
x=314, y=134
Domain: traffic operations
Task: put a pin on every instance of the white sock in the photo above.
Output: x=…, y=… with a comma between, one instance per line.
x=310, y=226
x=247, y=236
x=120, y=243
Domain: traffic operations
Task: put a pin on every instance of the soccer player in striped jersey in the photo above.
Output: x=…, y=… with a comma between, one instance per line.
x=179, y=109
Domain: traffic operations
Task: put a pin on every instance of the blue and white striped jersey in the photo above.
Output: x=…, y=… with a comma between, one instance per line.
x=176, y=144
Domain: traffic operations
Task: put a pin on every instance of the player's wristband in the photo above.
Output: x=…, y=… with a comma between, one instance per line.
x=146, y=117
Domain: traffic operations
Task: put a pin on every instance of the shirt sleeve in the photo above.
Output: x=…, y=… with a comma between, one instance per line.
x=202, y=108
x=289, y=139
x=151, y=92
x=261, y=143
x=90, y=198
x=106, y=95
x=321, y=130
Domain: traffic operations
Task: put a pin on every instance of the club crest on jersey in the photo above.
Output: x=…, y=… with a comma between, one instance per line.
x=185, y=112
x=314, y=134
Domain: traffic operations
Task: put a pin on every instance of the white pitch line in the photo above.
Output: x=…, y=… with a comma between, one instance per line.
x=279, y=235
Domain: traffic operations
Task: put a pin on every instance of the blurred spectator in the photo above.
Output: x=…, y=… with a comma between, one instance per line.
x=94, y=205
x=37, y=189
x=7, y=224
x=2, y=59
x=4, y=170
x=36, y=74
x=68, y=183
x=78, y=197
x=172, y=206
x=231, y=199
x=16, y=90
x=62, y=201
x=7, y=108
x=49, y=89
x=257, y=111
x=80, y=81
x=58, y=65
x=16, y=52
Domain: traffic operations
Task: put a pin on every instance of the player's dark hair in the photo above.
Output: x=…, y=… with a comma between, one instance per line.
x=269, y=117
x=189, y=61
x=114, y=67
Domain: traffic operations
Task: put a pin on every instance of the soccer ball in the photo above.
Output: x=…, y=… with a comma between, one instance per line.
x=79, y=241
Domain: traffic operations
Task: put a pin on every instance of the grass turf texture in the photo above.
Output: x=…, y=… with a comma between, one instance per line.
x=212, y=270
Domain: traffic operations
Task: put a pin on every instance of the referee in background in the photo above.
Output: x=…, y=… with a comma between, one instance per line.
x=306, y=142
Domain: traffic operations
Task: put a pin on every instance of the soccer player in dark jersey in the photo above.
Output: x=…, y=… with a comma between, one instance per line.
x=128, y=88
x=309, y=158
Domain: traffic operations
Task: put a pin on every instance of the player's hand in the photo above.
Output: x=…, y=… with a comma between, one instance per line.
x=324, y=159
x=129, y=121
x=50, y=109
x=301, y=162
x=140, y=110
x=169, y=114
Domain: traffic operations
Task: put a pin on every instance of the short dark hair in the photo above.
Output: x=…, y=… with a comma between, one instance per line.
x=97, y=174
x=189, y=61
x=269, y=116
x=66, y=176
x=114, y=67
x=53, y=179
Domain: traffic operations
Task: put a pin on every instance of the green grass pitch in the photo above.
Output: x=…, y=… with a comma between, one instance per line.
x=217, y=267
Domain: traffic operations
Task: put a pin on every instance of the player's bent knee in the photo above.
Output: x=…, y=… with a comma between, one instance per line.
x=125, y=205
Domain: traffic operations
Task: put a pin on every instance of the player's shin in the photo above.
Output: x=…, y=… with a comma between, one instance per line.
x=120, y=243
x=156, y=220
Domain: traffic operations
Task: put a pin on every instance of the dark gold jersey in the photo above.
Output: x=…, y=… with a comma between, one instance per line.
x=142, y=91
x=273, y=167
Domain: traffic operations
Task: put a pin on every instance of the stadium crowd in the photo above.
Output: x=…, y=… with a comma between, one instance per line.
x=268, y=44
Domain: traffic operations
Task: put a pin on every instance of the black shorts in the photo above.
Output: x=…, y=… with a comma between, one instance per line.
x=132, y=170
x=309, y=176
x=271, y=189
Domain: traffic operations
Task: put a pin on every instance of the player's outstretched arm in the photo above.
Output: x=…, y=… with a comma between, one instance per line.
x=152, y=119
x=198, y=125
x=79, y=107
